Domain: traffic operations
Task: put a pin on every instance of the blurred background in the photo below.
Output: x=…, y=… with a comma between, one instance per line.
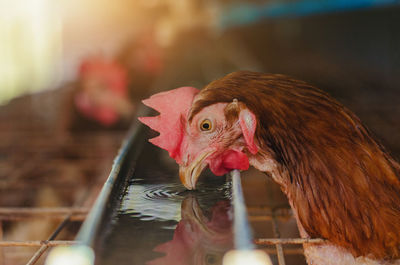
x=47, y=45
x=72, y=74
x=44, y=42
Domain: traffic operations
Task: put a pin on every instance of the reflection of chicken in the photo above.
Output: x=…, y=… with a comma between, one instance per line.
x=198, y=239
x=340, y=182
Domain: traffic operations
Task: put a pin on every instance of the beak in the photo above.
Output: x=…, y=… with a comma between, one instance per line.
x=191, y=211
x=190, y=174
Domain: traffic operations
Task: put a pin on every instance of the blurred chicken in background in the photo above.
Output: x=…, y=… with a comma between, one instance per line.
x=101, y=96
x=107, y=90
x=109, y=85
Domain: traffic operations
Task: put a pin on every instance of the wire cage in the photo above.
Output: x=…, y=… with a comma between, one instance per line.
x=35, y=160
x=48, y=181
x=37, y=192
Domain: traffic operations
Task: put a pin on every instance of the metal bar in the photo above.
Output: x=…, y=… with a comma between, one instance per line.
x=282, y=209
x=58, y=213
x=60, y=184
x=67, y=218
x=267, y=217
x=279, y=248
x=294, y=241
x=38, y=243
x=74, y=218
x=286, y=251
x=242, y=230
x=43, y=248
x=89, y=228
x=245, y=251
x=43, y=211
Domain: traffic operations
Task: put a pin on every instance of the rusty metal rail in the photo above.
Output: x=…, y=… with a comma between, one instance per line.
x=21, y=213
x=37, y=243
x=295, y=241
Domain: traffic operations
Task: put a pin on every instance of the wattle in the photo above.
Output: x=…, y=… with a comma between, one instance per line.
x=229, y=160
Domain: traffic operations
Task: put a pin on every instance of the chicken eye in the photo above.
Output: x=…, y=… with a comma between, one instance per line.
x=206, y=125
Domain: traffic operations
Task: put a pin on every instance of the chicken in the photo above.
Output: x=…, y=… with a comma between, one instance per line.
x=100, y=100
x=341, y=183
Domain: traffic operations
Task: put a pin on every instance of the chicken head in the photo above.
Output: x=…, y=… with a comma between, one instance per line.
x=220, y=136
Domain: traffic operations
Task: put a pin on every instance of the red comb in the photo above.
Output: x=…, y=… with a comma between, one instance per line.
x=173, y=105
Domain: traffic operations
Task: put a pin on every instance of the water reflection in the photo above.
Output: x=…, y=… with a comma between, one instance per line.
x=160, y=222
x=162, y=201
x=198, y=239
x=154, y=201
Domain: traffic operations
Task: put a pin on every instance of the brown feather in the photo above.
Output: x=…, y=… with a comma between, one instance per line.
x=343, y=183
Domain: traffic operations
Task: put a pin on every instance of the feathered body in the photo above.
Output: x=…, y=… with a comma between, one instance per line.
x=341, y=183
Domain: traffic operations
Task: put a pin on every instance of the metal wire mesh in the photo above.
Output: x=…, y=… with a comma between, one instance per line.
x=64, y=215
x=34, y=159
x=272, y=220
x=48, y=179
x=23, y=182
x=78, y=211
